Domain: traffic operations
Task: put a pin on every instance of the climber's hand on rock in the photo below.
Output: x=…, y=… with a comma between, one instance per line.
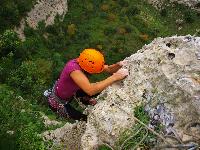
x=120, y=74
x=122, y=63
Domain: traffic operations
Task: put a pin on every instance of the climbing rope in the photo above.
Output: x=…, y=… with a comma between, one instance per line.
x=189, y=146
x=108, y=145
x=143, y=138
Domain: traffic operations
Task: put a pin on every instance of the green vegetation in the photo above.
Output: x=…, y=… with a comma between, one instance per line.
x=138, y=136
x=117, y=27
x=104, y=147
x=12, y=11
x=19, y=117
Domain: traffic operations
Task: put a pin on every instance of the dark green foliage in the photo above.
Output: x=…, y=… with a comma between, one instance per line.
x=11, y=12
x=6, y=66
x=140, y=113
x=9, y=45
x=58, y=65
x=8, y=42
x=128, y=28
x=123, y=3
x=163, y=12
x=109, y=31
x=28, y=49
x=132, y=11
x=25, y=77
x=31, y=77
x=103, y=15
x=103, y=147
x=19, y=123
x=189, y=17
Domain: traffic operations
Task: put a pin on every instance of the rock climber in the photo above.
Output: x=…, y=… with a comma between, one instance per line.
x=73, y=81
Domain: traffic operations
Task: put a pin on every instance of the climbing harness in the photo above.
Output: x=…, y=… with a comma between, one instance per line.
x=55, y=103
x=63, y=107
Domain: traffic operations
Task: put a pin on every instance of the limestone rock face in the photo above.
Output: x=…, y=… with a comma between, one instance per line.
x=167, y=71
x=163, y=73
x=191, y=3
x=66, y=137
x=44, y=10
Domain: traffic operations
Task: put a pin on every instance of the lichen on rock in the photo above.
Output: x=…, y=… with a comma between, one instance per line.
x=165, y=72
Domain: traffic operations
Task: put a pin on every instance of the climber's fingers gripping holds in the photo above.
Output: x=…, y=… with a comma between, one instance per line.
x=123, y=63
x=121, y=74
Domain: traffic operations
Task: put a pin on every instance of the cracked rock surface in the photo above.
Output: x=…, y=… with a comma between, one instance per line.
x=167, y=72
x=44, y=10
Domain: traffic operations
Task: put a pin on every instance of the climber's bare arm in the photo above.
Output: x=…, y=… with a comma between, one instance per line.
x=112, y=68
x=115, y=67
x=93, y=88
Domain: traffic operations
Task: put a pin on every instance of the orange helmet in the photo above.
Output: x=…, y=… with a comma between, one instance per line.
x=91, y=61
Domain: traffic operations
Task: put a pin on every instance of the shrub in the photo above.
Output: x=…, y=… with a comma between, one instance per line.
x=189, y=17
x=112, y=17
x=121, y=30
x=99, y=46
x=103, y=15
x=19, y=122
x=128, y=28
x=109, y=31
x=82, y=36
x=8, y=42
x=163, y=12
x=28, y=48
x=132, y=11
x=31, y=77
x=104, y=7
x=89, y=7
x=11, y=12
x=6, y=66
x=58, y=64
x=71, y=29
x=25, y=77
x=114, y=49
x=96, y=43
x=144, y=37
x=124, y=3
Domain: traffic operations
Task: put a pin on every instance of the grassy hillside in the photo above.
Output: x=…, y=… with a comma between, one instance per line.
x=117, y=27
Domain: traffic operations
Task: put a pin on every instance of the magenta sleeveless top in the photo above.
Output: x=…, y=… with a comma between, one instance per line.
x=66, y=87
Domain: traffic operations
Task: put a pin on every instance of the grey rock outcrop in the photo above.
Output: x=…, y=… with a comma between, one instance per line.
x=66, y=137
x=194, y=4
x=44, y=10
x=166, y=72
x=190, y=3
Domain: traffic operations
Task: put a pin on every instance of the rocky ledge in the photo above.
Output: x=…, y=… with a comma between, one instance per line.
x=165, y=76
